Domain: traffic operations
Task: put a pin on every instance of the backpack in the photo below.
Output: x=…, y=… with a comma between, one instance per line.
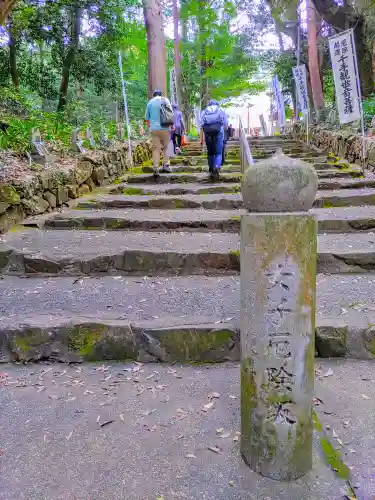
x=166, y=113
x=212, y=119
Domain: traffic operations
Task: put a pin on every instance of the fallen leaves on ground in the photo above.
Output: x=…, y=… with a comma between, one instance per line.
x=214, y=449
x=225, y=435
x=107, y=422
x=148, y=412
x=317, y=401
x=208, y=406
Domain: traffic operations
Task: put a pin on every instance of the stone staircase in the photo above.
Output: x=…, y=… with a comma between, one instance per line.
x=149, y=269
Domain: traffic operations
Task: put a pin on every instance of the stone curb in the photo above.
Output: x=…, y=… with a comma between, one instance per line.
x=136, y=262
x=90, y=220
x=78, y=338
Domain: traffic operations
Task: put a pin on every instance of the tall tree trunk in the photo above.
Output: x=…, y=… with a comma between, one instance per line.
x=316, y=82
x=204, y=81
x=177, y=57
x=12, y=44
x=373, y=61
x=76, y=16
x=204, y=97
x=185, y=107
x=157, y=67
x=364, y=57
x=6, y=7
x=279, y=36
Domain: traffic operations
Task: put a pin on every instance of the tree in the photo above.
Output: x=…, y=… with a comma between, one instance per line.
x=215, y=63
x=6, y=7
x=345, y=16
x=75, y=17
x=157, y=69
x=316, y=83
x=12, y=44
x=177, y=58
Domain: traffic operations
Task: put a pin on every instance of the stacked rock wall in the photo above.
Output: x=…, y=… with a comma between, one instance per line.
x=51, y=188
x=344, y=144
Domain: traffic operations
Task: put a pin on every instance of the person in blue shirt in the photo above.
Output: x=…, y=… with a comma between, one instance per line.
x=160, y=135
x=214, y=122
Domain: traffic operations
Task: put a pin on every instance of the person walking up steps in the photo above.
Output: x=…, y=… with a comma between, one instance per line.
x=159, y=116
x=178, y=129
x=214, y=122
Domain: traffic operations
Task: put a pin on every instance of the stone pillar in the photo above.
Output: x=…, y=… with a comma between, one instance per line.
x=278, y=275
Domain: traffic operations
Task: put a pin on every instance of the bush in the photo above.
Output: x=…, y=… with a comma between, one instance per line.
x=369, y=109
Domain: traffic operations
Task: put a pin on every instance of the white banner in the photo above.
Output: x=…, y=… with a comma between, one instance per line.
x=197, y=114
x=345, y=74
x=173, y=85
x=299, y=73
x=263, y=124
x=279, y=101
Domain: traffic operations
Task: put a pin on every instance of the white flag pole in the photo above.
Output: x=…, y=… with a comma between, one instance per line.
x=359, y=97
x=307, y=125
x=130, y=155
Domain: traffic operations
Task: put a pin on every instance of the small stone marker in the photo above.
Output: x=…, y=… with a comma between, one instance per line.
x=40, y=154
x=90, y=137
x=120, y=131
x=77, y=141
x=278, y=281
x=36, y=141
x=104, y=140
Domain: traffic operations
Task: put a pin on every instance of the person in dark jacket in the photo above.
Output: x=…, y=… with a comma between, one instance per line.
x=214, y=123
x=178, y=129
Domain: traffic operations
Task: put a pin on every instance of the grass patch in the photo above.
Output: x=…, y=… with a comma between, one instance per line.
x=333, y=457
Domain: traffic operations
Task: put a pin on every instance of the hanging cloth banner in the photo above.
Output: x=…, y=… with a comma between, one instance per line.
x=279, y=101
x=173, y=85
x=197, y=115
x=299, y=74
x=346, y=77
x=263, y=124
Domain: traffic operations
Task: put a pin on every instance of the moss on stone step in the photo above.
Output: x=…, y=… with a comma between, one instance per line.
x=132, y=191
x=195, y=345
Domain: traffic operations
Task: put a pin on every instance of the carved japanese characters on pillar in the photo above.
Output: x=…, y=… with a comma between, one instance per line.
x=280, y=372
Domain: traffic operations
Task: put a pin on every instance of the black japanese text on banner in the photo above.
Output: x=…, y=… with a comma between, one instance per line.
x=173, y=85
x=279, y=101
x=299, y=74
x=344, y=66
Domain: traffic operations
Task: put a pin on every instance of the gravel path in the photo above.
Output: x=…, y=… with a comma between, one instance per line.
x=197, y=297
x=142, y=432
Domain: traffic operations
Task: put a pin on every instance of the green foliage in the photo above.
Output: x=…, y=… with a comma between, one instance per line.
x=41, y=33
x=214, y=54
x=328, y=86
x=369, y=109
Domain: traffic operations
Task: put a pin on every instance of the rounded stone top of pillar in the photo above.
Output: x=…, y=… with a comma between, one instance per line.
x=279, y=184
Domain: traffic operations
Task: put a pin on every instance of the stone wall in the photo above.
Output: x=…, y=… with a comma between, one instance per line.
x=344, y=144
x=53, y=187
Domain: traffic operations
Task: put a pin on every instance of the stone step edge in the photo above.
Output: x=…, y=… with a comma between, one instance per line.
x=75, y=338
x=137, y=262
